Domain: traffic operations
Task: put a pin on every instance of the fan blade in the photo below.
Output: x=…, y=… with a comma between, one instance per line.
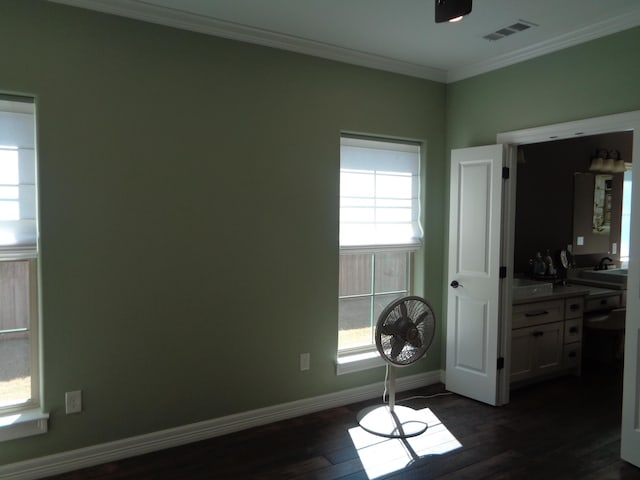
x=389, y=329
x=397, y=344
x=403, y=309
x=415, y=341
x=421, y=318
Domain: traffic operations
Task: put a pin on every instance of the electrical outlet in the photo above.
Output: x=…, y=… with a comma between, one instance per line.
x=305, y=361
x=73, y=401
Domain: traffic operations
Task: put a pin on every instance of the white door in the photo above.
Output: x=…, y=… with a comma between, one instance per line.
x=630, y=439
x=474, y=272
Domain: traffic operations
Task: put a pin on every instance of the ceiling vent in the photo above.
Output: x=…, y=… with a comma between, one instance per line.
x=519, y=26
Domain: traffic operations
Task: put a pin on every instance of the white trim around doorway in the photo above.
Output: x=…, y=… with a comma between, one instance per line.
x=627, y=121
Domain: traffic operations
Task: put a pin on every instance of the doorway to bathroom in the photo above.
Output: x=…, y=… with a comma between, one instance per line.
x=519, y=140
x=571, y=234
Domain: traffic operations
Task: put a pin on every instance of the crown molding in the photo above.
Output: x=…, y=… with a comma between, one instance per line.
x=140, y=10
x=235, y=31
x=592, y=32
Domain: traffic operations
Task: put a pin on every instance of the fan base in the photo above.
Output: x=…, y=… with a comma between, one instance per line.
x=401, y=422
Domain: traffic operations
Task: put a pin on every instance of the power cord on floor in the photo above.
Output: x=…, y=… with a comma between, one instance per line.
x=441, y=394
x=386, y=378
x=384, y=393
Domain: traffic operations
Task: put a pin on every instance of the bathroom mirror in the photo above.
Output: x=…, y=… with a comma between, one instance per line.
x=592, y=213
x=602, y=202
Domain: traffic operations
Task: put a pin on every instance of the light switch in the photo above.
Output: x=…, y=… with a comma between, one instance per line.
x=580, y=241
x=305, y=361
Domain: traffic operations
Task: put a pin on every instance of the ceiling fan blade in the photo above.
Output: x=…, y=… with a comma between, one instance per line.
x=397, y=344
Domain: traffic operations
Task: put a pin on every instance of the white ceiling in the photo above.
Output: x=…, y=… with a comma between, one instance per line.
x=395, y=35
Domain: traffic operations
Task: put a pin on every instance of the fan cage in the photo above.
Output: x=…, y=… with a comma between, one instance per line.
x=421, y=314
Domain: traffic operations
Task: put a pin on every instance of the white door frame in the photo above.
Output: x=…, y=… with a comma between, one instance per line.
x=592, y=126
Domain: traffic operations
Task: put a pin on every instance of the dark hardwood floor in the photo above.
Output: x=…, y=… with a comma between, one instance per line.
x=566, y=428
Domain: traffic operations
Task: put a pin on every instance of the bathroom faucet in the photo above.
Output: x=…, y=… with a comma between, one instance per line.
x=604, y=266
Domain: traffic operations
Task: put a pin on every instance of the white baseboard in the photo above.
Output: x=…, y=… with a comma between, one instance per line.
x=108, y=452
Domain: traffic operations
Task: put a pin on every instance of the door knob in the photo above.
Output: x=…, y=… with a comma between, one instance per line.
x=455, y=284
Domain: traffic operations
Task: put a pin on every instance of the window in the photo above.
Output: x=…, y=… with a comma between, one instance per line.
x=379, y=231
x=18, y=335
x=626, y=219
x=19, y=344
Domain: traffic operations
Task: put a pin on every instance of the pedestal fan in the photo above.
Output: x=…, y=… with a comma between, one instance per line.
x=404, y=332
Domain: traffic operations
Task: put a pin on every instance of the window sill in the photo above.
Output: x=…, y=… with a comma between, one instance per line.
x=23, y=424
x=358, y=362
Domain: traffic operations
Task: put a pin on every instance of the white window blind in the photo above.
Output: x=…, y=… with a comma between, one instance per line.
x=17, y=175
x=379, y=194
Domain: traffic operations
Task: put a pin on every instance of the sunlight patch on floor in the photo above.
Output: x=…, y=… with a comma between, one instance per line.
x=381, y=456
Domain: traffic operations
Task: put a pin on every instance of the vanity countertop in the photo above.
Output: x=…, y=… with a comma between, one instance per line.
x=599, y=292
x=563, y=291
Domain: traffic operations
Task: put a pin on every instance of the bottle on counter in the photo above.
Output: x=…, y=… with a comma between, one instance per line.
x=550, y=269
x=539, y=267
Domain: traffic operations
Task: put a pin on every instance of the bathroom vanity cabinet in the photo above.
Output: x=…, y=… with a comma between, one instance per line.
x=603, y=299
x=604, y=327
x=546, y=336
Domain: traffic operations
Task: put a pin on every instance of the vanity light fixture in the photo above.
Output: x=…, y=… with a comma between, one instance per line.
x=452, y=10
x=618, y=163
x=597, y=162
x=609, y=162
x=607, y=166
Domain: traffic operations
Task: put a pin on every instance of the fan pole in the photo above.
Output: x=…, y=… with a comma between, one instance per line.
x=392, y=387
x=393, y=421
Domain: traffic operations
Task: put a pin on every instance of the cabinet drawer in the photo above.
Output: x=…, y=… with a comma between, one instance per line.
x=536, y=351
x=605, y=303
x=572, y=355
x=573, y=330
x=529, y=314
x=573, y=307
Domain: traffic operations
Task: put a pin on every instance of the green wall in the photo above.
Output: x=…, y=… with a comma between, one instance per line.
x=597, y=78
x=593, y=79
x=189, y=216
x=189, y=205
